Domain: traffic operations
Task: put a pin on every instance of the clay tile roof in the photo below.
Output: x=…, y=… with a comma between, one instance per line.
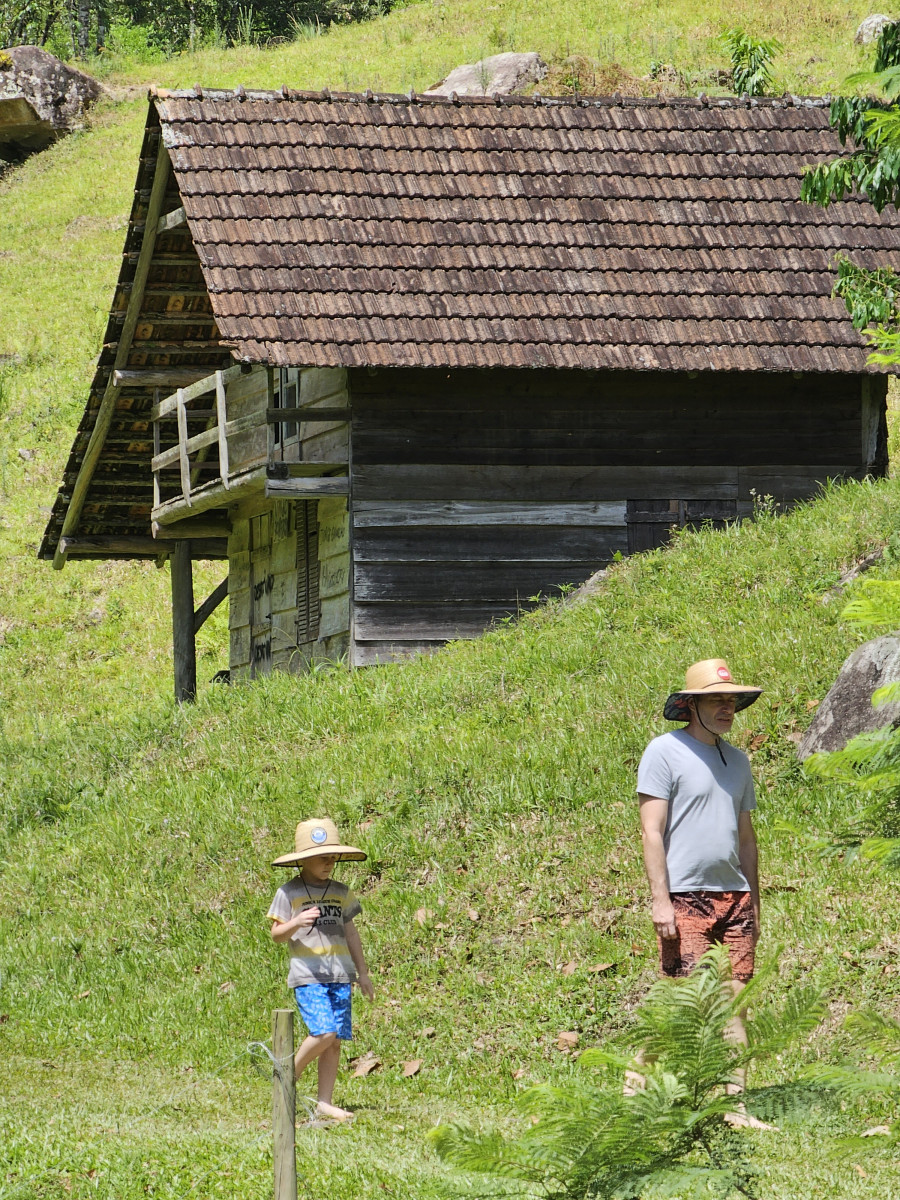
x=641, y=235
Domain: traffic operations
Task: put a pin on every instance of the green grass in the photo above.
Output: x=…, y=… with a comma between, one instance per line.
x=497, y=776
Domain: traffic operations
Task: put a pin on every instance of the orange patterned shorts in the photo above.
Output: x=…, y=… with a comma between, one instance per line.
x=704, y=919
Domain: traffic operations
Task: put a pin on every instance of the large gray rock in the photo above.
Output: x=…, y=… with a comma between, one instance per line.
x=41, y=98
x=847, y=709
x=499, y=75
x=870, y=28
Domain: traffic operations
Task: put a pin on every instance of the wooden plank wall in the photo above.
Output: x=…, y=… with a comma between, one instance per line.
x=289, y=560
x=245, y=395
x=475, y=491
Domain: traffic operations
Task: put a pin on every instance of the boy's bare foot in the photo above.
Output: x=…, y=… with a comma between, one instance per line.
x=333, y=1112
x=741, y=1119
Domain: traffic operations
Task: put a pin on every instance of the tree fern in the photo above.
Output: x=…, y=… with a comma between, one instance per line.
x=593, y=1141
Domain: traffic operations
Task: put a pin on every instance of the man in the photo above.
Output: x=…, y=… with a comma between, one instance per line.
x=696, y=796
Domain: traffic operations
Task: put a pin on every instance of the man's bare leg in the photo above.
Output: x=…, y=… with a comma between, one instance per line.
x=735, y=1031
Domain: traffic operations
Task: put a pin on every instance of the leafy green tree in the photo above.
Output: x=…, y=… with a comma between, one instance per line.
x=871, y=168
x=751, y=61
x=673, y=1135
x=28, y=22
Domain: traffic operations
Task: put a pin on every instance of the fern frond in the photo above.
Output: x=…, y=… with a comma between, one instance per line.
x=682, y=1023
x=782, y=1101
x=878, y=1033
x=489, y=1154
x=850, y=1080
x=874, y=602
x=772, y=1030
x=596, y=1056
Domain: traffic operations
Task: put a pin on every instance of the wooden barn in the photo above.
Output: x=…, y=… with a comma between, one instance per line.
x=408, y=363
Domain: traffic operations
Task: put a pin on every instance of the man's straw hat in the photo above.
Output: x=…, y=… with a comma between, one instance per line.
x=318, y=836
x=711, y=677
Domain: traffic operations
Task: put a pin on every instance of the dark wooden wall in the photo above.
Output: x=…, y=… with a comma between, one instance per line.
x=473, y=492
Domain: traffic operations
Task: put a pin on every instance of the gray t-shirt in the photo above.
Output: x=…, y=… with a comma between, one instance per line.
x=705, y=798
x=318, y=954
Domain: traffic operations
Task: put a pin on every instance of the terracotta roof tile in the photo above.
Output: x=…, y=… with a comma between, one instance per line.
x=642, y=235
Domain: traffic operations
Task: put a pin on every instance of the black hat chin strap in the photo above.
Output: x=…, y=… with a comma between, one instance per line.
x=708, y=730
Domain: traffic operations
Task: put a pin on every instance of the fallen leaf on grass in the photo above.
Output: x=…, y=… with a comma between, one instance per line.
x=811, y=704
x=365, y=1065
x=567, y=1041
x=858, y=1169
x=796, y=737
x=4, y=1017
x=599, y=968
x=636, y=948
x=84, y=995
x=480, y=979
x=473, y=914
x=520, y=1074
x=877, y=1131
x=228, y=986
x=413, y=1067
x=424, y=915
x=428, y=1033
x=568, y=968
x=759, y=740
x=478, y=1044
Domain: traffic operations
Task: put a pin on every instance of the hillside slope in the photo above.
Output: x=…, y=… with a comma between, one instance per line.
x=135, y=968
x=496, y=777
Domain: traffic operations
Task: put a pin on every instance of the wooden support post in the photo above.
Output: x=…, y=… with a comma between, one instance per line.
x=222, y=422
x=183, y=644
x=182, y=449
x=284, y=1104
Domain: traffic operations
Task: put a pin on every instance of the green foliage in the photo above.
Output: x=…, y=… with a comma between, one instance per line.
x=671, y=1136
x=871, y=297
x=871, y=169
x=751, y=61
x=496, y=775
x=869, y=765
x=27, y=21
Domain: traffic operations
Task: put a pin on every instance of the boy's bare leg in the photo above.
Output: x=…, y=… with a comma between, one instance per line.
x=310, y=1048
x=329, y=1061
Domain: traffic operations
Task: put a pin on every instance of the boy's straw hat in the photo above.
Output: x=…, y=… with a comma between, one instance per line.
x=711, y=677
x=318, y=836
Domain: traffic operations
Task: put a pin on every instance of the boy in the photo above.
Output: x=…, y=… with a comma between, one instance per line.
x=313, y=914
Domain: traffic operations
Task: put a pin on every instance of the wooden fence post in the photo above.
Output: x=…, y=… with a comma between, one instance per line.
x=183, y=642
x=283, y=1104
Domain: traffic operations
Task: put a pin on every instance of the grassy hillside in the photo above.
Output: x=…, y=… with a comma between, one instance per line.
x=135, y=969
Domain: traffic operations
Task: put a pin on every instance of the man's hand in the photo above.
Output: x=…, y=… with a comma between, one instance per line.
x=664, y=919
x=365, y=986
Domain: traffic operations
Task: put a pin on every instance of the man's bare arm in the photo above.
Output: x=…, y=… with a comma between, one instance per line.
x=748, y=855
x=653, y=826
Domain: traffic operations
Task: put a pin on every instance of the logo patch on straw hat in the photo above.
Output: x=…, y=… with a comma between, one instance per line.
x=723, y=673
x=319, y=836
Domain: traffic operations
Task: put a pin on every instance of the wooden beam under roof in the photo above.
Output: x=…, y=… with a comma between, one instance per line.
x=108, y=401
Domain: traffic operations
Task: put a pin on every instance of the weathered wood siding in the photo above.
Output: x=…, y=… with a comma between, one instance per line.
x=246, y=395
x=475, y=491
x=289, y=560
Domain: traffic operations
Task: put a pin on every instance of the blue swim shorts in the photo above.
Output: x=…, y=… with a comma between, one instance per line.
x=325, y=1007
